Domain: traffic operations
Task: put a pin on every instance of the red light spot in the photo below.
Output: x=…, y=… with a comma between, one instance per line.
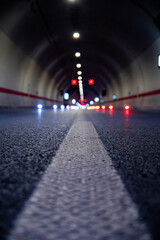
x=74, y=82
x=80, y=100
x=126, y=107
x=85, y=100
x=126, y=112
x=103, y=107
x=91, y=82
x=110, y=107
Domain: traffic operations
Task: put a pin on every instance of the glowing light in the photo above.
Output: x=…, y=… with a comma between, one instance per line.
x=54, y=106
x=77, y=54
x=91, y=82
x=126, y=112
x=76, y=35
x=80, y=78
x=78, y=65
x=66, y=96
x=83, y=107
x=39, y=112
x=126, y=107
x=67, y=107
x=91, y=102
x=103, y=107
x=39, y=106
x=62, y=107
x=74, y=108
x=96, y=99
x=79, y=72
x=73, y=82
x=73, y=101
x=114, y=97
x=159, y=61
x=93, y=107
x=110, y=107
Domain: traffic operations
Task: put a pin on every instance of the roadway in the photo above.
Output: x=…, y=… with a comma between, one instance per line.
x=98, y=170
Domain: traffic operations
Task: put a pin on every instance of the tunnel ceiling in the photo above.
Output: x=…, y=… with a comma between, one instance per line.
x=112, y=34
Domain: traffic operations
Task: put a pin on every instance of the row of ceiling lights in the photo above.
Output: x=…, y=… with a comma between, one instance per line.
x=76, y=35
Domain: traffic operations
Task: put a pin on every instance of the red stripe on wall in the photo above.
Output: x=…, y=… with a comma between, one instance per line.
x=146, y=94
x=14, y=92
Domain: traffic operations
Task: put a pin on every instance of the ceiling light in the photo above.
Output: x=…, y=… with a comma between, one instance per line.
x=78, y=65
x=77, y=54
x=80, y=78
x=79, y=72
x=76, y=35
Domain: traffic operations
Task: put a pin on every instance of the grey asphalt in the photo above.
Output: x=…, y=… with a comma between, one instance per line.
x=80, y=196
x=133, y=143
x=29, y=141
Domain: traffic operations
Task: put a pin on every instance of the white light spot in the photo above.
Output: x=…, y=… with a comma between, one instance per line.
x=73, y=101
x=79, y=72
x=54, y=106
x=76, y=35
x=77, y=54
x=78, y=65
x=66, y=96
x=39, y=106
x=96, y=99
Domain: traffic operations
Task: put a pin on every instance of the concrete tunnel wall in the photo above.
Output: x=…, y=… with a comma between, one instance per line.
x=21, y=73
x=142, y=76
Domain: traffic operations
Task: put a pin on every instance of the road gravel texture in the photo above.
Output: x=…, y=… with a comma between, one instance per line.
x=132, y=140
x=28, y=141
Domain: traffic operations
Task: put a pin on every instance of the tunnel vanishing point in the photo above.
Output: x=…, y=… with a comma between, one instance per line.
x=118, y=43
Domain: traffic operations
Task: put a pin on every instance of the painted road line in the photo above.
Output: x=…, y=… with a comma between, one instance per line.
x=80, y=196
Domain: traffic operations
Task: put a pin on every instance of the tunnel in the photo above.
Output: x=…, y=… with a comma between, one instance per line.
x=80, y=120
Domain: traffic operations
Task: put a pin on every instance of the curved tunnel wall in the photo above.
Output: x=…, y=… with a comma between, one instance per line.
x=19, y=72
x=139, y=83
x=22, y=81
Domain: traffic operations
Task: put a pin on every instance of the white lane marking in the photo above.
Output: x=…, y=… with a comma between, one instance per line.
x=80, y=196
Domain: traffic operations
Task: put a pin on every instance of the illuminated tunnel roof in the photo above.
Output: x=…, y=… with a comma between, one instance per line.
x=112, y=34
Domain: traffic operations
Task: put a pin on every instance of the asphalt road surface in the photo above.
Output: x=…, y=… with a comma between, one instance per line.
x=99, y=173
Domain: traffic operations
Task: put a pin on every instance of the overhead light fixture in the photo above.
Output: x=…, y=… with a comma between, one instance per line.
x=80, y=78
x=78, y=65
x=77, y=54
x=79, y=72
x=76, y=35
